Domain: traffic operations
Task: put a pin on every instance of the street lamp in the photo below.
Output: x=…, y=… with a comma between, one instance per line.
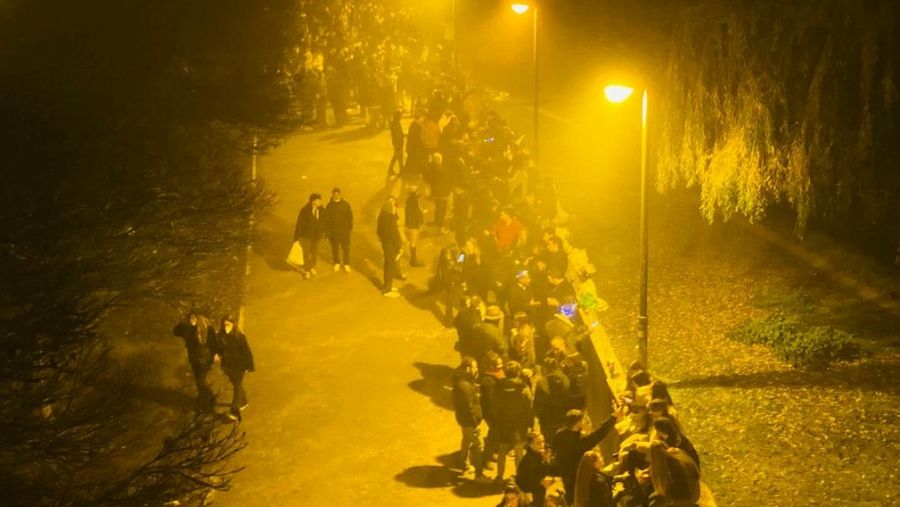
x=522, y=8
x=617, y=94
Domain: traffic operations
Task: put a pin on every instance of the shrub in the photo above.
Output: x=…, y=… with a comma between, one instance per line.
x=817, y=347
x=814, y=348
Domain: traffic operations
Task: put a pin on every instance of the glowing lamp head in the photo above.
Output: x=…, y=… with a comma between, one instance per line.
x=617, y=93
x=520, y=8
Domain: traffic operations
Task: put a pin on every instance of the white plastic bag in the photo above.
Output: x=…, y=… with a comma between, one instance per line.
x=295, y=256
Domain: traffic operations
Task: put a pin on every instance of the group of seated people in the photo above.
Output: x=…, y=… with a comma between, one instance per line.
x=540, y=415
x=517, y=299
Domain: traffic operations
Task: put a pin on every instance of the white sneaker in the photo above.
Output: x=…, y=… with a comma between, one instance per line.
x=346, y=268
x=312, y=271
x=392, y=294
x=337, y=267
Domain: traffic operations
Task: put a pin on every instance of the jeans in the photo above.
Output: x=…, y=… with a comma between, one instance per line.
x=239, y=397
x=338, y=245
x=471, y=447
x=503, y=450
x=396, y=159
x=440, y=210
x=390, y=268
x=310, y=247
x=204, y=393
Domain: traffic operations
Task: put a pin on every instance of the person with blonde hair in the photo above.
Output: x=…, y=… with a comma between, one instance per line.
x=675, y=477
x=199, y=338
x=593, y=488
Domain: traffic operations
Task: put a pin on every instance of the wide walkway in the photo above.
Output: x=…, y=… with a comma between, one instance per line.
x=348, y=404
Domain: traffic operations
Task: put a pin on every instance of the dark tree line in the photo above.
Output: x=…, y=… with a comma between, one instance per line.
x=126, y=130
x=791, y=103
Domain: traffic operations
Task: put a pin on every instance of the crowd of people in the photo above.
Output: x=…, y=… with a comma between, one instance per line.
x=516, y=298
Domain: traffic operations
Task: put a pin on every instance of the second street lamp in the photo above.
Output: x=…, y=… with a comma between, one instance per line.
x=522, y=8
x=618, y=93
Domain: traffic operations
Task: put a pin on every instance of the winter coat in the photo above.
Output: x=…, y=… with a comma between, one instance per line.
x=235, y=352
x=529, y=474
x=440, y=180
x=518, y=299
x=570, y=445
x=487, y=338
x=466, y=402
x=487, y=382
x=551, y=400
x=388, y=232
x=339, y=219
x=512, y=401
x=200, y=341
x=310, y=225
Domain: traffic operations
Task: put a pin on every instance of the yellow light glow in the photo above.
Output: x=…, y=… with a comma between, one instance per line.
x=617, y=93
x=520, y=8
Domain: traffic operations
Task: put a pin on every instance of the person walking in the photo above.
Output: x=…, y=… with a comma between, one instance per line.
x=467, y=409
x=391, y=245
x=397, y=142
x=308, y=231
x=234, y=355
x=339, y=223
x=199, y=337
x=414, y=218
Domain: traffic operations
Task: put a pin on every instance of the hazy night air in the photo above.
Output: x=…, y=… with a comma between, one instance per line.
x=450, y=252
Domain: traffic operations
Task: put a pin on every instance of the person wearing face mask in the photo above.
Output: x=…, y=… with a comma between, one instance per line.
x=236, y=359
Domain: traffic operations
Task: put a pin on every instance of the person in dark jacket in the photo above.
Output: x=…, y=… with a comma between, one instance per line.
x=665, y=430
x=236, y=360
x=468, y=317
x=309, y=230
x=339, y=220
x=514, y=418
x=200, y=340
x=551, y=398
x=569, y=445
x=467, y=409
x=397, y=142
x=414, y=218
x=534, y=468
x=487, y=383
x=391, y=245
x=519, y=295
x=416, y=154
x=487, y=336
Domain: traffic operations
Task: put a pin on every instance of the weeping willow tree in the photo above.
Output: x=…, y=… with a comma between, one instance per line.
x=772, y=102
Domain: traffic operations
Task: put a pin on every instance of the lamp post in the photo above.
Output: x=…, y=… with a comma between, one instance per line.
x=616, y=94
x=521, y=8
x=455, y=37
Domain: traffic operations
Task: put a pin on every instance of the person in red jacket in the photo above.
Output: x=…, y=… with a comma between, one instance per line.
x=506, y=231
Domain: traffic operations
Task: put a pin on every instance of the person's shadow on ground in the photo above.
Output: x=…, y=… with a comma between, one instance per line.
x=272, y=240
x=444, y=476
x=435, y=383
